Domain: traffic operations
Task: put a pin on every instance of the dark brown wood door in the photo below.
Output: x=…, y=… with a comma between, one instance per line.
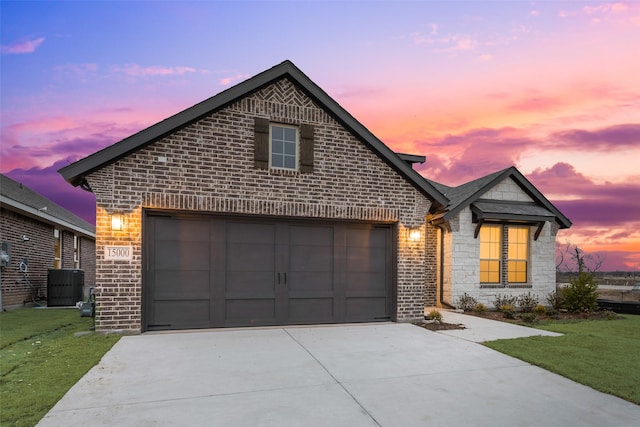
x=214, y=272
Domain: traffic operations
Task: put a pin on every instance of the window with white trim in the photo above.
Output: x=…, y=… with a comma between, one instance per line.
x=76, y=252
x=57, y=248
x=283, y=147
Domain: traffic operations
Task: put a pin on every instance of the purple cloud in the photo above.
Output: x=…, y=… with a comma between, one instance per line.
x=50, y=184
x=606, y=205
x=610, y=138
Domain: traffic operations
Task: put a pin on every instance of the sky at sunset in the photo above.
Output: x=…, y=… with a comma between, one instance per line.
x=551, y=87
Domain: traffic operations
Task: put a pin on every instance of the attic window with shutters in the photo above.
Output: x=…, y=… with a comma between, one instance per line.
x=283, y=147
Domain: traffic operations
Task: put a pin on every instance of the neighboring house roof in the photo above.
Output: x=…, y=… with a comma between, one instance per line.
x=17, y=197
x=75, y=173
x=469, y=194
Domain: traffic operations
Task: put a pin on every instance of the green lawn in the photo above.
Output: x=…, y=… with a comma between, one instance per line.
x=602, y=354
x=41, y=358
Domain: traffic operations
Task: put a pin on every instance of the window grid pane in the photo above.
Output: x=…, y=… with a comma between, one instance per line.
x=517, y=271
x=284, y=146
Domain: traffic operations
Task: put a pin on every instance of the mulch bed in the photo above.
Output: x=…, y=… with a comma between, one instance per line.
x=436, y=326
x=496, y=315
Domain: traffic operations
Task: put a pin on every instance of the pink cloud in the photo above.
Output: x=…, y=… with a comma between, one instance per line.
x=605, y=8
x=27, y=46
x=464, y=157
x=536, y=103
x=225, y=81
x=77, y=70
x=135, y=70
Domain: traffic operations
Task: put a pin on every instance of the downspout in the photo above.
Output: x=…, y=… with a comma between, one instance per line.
x=442, y=301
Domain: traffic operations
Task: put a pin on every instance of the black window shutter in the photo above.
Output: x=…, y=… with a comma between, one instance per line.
x=306, y=148
x=261, y=143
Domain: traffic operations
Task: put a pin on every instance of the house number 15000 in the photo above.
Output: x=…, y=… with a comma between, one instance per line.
x=118, y=253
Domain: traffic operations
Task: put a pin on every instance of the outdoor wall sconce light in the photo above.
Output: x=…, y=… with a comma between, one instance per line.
x=117, y=222
x=414, y=234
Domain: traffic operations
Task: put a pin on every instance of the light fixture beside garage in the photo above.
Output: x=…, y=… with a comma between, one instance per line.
x=117, y=221
x=415, y=234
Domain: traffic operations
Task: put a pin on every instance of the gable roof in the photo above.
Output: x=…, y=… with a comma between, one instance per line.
x=470, y=193
x=17, y=197
x=75, y=173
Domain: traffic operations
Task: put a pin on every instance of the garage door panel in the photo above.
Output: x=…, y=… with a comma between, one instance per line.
x=250, y=311
x=367, y=237
x=366, y=259
x=310, y=235
x=252, y=257
x=250, y=232
x=177, y=284
x=367, y=281
x=181, y=314
x=310, y=281
x=311, y=310
x=250, y=281
x=181, y=230
x=185, y=255
x=310, y=258
x=366, y=309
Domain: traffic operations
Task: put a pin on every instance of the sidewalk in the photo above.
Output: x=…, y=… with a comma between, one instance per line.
x=478, y=329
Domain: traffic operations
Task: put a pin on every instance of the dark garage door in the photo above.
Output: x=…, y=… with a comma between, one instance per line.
x=206, y=271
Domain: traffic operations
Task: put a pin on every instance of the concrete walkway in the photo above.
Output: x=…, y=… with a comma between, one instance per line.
x=384, y=374
x=478, y=329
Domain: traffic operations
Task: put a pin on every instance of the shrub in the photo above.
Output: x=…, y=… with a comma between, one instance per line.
x=581, y=296
x=466, y=302
x=435, y=315
x=527, y=302
x=610, y=315
x=508, y=311
x=501, y=300
x=508, y=314
x=480, y=308
x=555, y=300
x=528, y=317
x=540, y=310
x=553, y=313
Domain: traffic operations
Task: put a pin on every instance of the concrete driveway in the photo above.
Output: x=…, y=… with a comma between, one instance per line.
x=349, y=375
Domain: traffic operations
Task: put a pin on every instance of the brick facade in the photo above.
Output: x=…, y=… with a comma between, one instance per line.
x=20, y=288
x=208, y=166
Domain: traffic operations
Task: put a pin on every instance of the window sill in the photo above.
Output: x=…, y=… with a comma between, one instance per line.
x=509, y=286
x=284, y=172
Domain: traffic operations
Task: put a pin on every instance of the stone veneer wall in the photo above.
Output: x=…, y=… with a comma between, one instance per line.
x=462, y=254
x=208, y=166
